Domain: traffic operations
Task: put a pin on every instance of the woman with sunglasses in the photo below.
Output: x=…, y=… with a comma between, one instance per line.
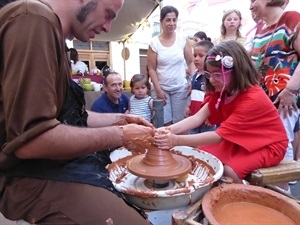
x=251, y=134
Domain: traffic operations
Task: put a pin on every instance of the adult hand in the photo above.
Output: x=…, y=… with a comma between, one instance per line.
x=129, y=118
x=187, y=112
x=164, y=139
x=161, y=95
x=287, y=102
x=189, y=89
x=137, y=138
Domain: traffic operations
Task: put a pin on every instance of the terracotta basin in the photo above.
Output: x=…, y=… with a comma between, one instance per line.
x=178, y=194
x=238, y=204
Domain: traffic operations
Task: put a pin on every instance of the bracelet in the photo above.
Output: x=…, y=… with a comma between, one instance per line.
x=292, y=91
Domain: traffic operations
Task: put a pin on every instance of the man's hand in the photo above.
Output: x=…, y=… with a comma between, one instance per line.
x=129, y=119
x=287, y=102
x=137, y=138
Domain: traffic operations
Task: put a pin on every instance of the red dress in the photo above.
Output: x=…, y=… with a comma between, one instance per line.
x=254, y=136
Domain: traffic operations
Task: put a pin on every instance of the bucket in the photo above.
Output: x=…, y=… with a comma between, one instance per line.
x=237, y=204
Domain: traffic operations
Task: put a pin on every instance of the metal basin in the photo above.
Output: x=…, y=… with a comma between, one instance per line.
x=207, y=169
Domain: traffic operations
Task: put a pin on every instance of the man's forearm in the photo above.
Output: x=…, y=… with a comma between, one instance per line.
x=97, y=120
x=66, y=142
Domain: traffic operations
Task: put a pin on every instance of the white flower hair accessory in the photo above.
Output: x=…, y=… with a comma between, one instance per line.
x=218, y=57
x=227, y=61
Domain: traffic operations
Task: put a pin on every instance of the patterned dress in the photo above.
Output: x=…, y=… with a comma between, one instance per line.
x=274, y=54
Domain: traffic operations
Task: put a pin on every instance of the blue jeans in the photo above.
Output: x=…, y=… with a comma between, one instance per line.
x=202, y=128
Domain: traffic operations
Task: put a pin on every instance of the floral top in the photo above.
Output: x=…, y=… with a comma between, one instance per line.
x=274, y=54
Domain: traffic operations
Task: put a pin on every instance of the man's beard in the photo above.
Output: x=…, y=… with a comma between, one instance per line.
x=85, y=10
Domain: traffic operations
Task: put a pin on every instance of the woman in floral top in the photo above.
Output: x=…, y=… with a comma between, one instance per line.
x=276, y=52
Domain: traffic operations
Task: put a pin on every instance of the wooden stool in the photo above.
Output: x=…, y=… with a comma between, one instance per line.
x=287, y=170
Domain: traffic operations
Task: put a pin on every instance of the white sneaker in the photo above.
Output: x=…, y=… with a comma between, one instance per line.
x=293, y=182
x=245, y=182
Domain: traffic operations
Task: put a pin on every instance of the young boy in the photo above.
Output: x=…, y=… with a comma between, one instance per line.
x=198, y=85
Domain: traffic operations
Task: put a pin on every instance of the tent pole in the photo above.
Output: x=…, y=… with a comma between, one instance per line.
x=124, y=61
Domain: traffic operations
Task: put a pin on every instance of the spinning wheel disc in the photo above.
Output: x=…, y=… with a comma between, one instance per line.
x=159, y=165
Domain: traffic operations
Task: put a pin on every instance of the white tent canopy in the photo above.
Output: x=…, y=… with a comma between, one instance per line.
x=130, y=18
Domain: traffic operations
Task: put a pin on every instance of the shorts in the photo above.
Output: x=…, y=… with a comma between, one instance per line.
x=176, y=104
x=55, y=202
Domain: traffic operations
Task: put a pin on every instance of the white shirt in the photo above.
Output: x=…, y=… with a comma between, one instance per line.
x=79, y=67
x=170, y=63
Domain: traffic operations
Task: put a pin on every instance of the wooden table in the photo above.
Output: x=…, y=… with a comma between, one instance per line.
x=95, y=78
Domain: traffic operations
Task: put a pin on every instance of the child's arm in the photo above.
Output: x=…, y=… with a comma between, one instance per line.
x=151, y=107
x=168, y=140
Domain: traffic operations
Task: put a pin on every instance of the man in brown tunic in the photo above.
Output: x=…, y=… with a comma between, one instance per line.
x=51, y=167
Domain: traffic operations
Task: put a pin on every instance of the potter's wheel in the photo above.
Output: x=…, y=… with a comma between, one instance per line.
x=205, y=170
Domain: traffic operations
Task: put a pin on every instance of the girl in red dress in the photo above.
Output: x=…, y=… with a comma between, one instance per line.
x=251, y=134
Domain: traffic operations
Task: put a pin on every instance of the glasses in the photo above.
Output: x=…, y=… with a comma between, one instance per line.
x=216, y=75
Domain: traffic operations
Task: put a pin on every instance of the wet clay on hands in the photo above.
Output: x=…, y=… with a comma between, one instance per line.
x=133, y=119
x=137, y=138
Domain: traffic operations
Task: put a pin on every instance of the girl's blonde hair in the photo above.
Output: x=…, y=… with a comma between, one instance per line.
x=227, y=13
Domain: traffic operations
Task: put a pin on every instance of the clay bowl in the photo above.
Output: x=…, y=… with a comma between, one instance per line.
x=184, y=194
x=237, y=204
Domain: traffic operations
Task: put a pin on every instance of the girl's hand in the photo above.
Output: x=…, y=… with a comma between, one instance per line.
x=207, y=123
x=164, y=139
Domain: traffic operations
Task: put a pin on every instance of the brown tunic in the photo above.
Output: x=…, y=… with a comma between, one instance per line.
x=33, y=74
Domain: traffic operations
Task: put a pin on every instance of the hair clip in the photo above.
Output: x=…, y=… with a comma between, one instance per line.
x=218, y=57
x=227, y=61
x=215, y=57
